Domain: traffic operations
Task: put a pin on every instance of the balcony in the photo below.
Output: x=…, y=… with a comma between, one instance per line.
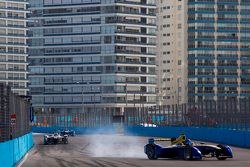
x=130, y=12
x=136, y=72
x=136, y=3
x=227, y=64
x=132, y=52
x=133, y=42
x=244, y=64
x=227, y=83
x=134, y=62
x=206, y=73
x=227, y=73
x=135, y=32
x=205, y=64
x=126, y=21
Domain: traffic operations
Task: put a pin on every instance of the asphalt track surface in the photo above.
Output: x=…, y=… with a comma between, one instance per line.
x=114, y=151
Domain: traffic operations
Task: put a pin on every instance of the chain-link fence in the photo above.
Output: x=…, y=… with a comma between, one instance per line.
x=64, y=119
x=14, y=114
x=230, y=114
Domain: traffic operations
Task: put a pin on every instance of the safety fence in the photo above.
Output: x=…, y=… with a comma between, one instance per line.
x=14, y=114
x=77, y=119
x=234, y=137
x=229, y=114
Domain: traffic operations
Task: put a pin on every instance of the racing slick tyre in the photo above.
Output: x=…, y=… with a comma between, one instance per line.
x=221, y=158
x=65, y=140
x=150, y=151
x=49, y=141
x=45, y=141
x=188, y=154
x=219, y=152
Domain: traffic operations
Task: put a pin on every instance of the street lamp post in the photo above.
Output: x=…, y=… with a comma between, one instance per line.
x=178, y=92
x=126, y=91
x=94, y=102
x=82, y=97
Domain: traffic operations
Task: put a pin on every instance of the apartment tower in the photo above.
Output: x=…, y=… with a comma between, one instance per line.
x=93, y=55
x=219, y=49
x=13, y=47
x=172, y=52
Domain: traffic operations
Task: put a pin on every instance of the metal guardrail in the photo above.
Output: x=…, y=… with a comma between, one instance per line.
x=14, y=114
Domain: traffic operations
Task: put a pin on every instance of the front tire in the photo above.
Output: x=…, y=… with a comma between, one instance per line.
x=150, y=151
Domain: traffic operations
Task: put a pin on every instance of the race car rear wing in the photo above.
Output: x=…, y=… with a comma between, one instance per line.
x=153, y=140
x=174, y=141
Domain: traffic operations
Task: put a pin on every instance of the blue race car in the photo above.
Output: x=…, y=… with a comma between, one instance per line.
x=183, y=148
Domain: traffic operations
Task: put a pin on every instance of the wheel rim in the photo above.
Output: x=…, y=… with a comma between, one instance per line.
x=150, y=153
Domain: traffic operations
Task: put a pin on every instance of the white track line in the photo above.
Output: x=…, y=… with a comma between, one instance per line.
x=23, y=160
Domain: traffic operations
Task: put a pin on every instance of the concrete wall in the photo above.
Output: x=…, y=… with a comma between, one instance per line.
x=222, y=136
x=12, y=151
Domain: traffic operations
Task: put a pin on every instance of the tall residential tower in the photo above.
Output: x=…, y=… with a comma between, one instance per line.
x=172, y=51
x=13, y=45
x=219, y=49
x=93, y=55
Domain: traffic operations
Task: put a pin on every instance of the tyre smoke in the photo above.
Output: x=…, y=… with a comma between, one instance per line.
x=117, y=146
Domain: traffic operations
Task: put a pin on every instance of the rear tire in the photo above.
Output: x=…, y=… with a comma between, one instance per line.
x=221, y=158
x=45, y=141
x=150, y=151
x=65, y=140
x=218, y=153
x=49, y=141
x=188, y=154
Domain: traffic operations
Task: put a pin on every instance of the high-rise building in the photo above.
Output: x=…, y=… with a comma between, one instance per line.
x=13, y=45
x=93, y=55
x=218, y=51
x=172, y=52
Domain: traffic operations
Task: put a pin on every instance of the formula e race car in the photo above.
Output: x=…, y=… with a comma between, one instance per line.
x=55, y=139
x=183, y=148
x=68, y=132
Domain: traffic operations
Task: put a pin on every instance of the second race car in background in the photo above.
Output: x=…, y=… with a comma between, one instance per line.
x=68, y=132
x=55, y=139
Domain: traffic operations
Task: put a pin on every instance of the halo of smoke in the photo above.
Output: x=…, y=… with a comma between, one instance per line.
x=116, y=146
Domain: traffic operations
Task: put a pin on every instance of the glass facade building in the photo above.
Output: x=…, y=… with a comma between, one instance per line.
x=219, y=49
x=92, y=55
x=13, y=45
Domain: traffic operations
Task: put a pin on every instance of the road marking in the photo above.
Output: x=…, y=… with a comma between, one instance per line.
x=24, y=159
x=38, y=133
